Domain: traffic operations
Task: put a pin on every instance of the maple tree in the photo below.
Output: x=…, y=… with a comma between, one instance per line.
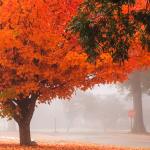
x=110, y=25
x=39, y=61
x=31, y=47
x=122, y=29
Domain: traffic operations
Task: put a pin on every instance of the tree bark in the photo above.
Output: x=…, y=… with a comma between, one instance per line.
x=23, y=117
x=138, y=123
x=24, y=133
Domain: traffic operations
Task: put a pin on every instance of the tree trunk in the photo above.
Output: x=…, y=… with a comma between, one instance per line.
x=138, y=123
x=27, y=107
x=24, y=133
x=23, y=117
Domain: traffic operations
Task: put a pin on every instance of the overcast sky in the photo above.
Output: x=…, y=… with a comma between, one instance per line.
x=104, y=90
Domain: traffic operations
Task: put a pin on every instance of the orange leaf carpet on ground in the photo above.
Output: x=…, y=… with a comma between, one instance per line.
x=64, y=147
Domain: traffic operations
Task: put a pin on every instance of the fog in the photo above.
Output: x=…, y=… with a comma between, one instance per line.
x=98, y=111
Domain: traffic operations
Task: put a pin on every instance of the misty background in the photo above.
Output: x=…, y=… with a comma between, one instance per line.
x=101, y=109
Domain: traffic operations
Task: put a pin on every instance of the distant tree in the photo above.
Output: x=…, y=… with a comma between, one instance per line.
x=95, y=110
x=73, y=109
x=106, y=110
x=115, y=111
x=137, y=84
x=11, y=125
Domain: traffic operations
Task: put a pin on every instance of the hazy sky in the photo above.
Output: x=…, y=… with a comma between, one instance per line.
x=104, y=90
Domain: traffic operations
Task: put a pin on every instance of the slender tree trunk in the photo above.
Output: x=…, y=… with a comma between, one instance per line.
x=138, y=123
x=69, y=126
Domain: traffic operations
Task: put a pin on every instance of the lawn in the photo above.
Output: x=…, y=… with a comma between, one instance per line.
x=64, y=147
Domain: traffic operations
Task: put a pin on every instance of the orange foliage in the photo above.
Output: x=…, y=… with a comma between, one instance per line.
x=64, y=147
x=36, y=58
x=140, y=5
x=37, y=61
x=32, y=45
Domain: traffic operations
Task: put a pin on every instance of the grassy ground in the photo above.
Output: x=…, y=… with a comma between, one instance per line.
x=7, y=146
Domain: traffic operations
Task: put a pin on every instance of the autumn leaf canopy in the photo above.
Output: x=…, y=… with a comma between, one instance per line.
x=39, y=54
